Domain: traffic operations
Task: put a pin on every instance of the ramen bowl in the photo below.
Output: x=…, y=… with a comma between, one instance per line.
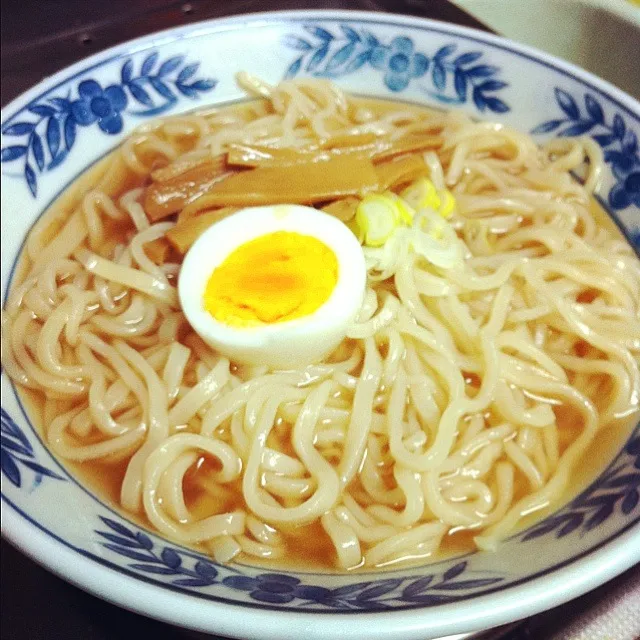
x=55, y=131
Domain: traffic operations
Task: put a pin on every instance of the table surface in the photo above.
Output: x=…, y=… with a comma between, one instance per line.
x=40, y=37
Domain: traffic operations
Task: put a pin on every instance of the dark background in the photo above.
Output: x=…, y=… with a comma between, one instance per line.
x=40, y=37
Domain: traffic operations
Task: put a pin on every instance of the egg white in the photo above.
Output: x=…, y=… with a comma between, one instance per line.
x=282, y=345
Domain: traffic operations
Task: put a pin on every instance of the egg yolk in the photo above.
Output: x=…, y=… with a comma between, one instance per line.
x=275, y=278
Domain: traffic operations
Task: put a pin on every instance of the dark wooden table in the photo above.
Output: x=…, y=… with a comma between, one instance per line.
x=40, y=37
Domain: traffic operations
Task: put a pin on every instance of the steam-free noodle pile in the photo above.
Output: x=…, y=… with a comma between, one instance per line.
x=462, y=398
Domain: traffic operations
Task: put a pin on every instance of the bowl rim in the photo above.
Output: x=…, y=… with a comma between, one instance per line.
x=570, y=579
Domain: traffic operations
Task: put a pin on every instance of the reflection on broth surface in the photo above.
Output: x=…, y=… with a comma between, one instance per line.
x=492, y=371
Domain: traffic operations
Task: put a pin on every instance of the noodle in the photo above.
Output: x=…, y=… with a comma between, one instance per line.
x=462, y=399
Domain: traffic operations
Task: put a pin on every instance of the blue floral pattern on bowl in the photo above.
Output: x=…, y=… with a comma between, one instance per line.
x=330, y=54
x=190, y=570
x=617, y=487
x=400, y=63
x=16, y=451
x=619, y=143
x=156, y=87
x=101, y=105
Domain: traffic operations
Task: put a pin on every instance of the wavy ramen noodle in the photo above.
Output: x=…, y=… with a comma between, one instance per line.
x=462, y=399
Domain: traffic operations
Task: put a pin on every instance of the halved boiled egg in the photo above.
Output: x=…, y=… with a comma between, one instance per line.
x=276, y=286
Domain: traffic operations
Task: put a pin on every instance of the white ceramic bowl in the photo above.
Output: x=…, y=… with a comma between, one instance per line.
x=53, y=132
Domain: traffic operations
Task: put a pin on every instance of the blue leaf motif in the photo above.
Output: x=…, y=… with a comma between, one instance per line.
x=372, y=41
x=170, y=65
x=144, y=540
x=380, y=589
x=40, y=470
x=478, y=99
x=546, y=127
x=492, y=85
x=496, y=105
x=547, y=526
x=206, y=570
x=625, y=480
x=619, y=128
x=9, y=154
x=630, y=143
x=319, y=32
x=350, y=588
x=572, y=524
x=567, y=103
x=439, y=75
x=186, y=90
x=318, y=57
x=417, y=587
x=11, y=428
x=58, y=160
x=119, y=540
x=593, y=108
x=191, y=582
x=118, y=528
x=340, y=57
x=454, y=571
x=467, y=58
x=38, y=150
x=30, y=177
x=242, y=583
x=41, y=110
x=351, y=34
x=613, y=157
x=15, y=447
x=137, y=91
x=294, y=68
x=293, y=42
x=187, y=72
x=129, y=553
x=633, y=448
x=62, y=104
x=595, y=501
x=318, y=594
x=19, y=129
x=630, y=501
x=162, y=88
x=482, y=71
x=53, y=136
x=203, y=85
x=600, y=516
x=69, y=132
x=149, y=63
x=460, y=83
x=358, y=61
x=171, y=558
x=126, y=72
x=9, y=468
x=577, y=129
x=150, y=568
x=604, y=139
x=443, y=52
